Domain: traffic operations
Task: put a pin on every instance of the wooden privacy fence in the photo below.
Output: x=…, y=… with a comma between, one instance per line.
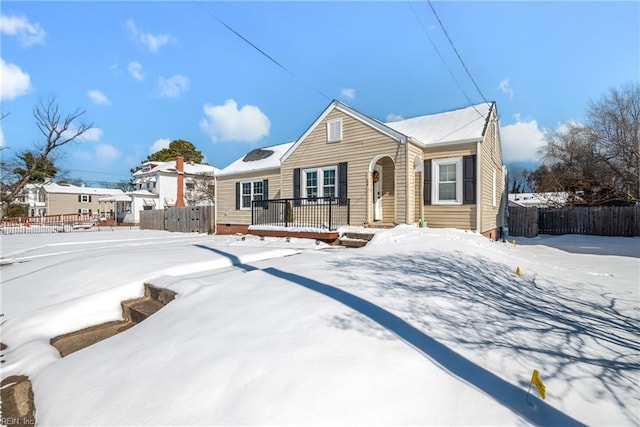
x=191, y=219
x=601, y=221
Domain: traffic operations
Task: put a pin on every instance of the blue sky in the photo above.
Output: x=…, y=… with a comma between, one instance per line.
x=149, y=72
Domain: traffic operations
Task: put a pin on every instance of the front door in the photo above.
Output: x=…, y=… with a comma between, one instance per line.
x=377, y=193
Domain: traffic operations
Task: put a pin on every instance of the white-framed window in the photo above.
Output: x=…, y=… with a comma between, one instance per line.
x=447, y=181
x=493, y=190
x=84, y=211
x=320, y=182
x=334, y=130
x=250, y=191
x=85, y=198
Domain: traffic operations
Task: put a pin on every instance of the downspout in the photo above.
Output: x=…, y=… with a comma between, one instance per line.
x=215, y=204
x=479, y=187
x=406, y=194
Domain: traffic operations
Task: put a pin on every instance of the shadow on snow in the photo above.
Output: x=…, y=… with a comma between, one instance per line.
x=570, y=333
x=504, y=392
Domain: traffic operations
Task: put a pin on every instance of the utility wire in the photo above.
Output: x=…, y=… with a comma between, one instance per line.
x=456, y=51
x=424, y=29
x=262, y=52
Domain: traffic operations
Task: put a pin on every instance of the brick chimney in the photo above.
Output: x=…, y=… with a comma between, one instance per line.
x=180, y=170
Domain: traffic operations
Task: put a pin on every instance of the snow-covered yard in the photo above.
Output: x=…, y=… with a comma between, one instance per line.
x=420, y=327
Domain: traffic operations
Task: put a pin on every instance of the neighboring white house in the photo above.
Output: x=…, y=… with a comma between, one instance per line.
x=34, y=198
x=156, y=186
x=538, y=200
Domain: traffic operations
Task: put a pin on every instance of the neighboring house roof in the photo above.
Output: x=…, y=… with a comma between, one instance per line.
x=118, y=198
x=170, y=167
x=264, y=158
x=462, y=125
x=142, y=193
x=538, y=199
x=74, y=189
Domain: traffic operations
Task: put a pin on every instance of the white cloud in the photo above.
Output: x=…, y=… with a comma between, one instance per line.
x=394, y=117
x=521, y=141
x=15, y=82
x=152, y=42
x=348, y=93
x=159, y=145
x=172, y=87
x=107, y=152
x=135, y=70
x=98, y=97
x=504, y=87
x=227, y=123
x=28, y=33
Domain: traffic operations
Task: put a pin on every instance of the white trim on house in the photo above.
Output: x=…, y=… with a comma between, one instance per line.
x=335, y=104
x=436, y=164
x=320, y=172
x=252, y=193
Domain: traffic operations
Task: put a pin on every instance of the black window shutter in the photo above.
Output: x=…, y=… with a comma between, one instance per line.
x=89, y=198
x=296, y=186
x=265, y=193
x=426, y=177
x=469, y=179
x=79, y=198
x=237, y=196
x=342, y=183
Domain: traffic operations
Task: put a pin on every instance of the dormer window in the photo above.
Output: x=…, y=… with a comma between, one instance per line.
x=334, y=130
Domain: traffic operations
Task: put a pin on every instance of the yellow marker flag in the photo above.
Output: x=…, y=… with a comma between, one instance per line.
x=518, y=271
x=514, y=243
x=536, y=381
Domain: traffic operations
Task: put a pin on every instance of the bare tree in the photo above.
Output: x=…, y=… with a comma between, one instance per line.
x=200, y=190
x=597, y=163
x=58, y=131
x=615, y=120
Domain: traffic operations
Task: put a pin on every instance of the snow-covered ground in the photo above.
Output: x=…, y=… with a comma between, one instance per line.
x=420, y=327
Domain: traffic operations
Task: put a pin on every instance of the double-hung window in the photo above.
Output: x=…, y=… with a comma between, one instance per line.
x=319, y=182
x=253, y=190
x=447, y=178
x=85, y=198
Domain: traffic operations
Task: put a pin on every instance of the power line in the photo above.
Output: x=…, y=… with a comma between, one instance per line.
x=456, y=51
x=262, y=52
x=443, y=60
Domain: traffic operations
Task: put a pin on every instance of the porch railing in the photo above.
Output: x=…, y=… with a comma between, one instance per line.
x=315, y=214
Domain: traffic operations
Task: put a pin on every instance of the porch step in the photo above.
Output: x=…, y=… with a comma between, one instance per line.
x=77, y=340
x=133, y=311
x=17, y=401
x=137, y=310
x=355, y=239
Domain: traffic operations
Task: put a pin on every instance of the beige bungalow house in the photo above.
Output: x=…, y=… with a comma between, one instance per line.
x=439, y=170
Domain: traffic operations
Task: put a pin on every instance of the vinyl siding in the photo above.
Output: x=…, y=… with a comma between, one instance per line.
x=226, y=195
x=59, y=204
x=451, y=216
x=491, y=158
x=360, y=144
